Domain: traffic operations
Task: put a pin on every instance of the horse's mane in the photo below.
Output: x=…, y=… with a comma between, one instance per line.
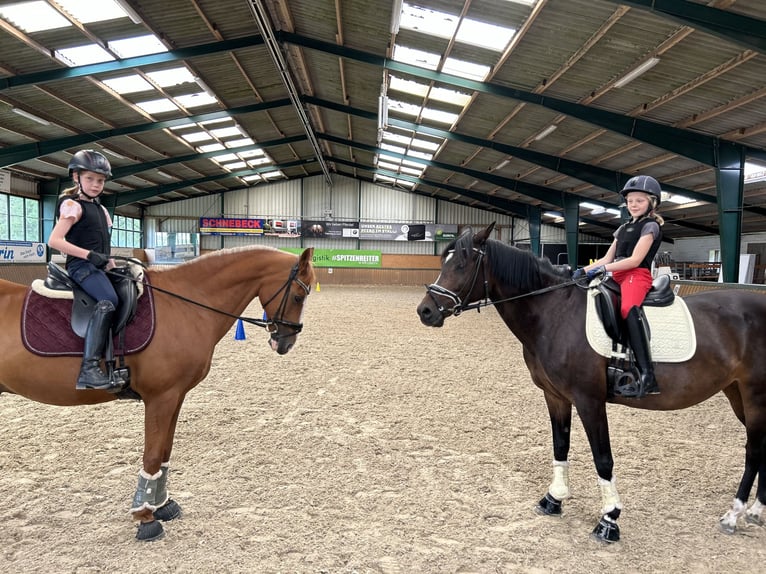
x=511, y=265
x=211, y=255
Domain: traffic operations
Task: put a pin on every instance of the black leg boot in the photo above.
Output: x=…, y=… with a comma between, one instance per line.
x=91, y=375
x=638, y=335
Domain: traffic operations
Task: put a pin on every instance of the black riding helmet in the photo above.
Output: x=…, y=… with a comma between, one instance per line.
x=645, y=183
x=90, y=160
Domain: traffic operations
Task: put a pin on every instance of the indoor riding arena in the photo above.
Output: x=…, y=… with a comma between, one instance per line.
x=315, y=355
x=376, y=445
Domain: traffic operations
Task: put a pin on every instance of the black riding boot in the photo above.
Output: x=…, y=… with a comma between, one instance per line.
x=91, y=375
x=638, y=336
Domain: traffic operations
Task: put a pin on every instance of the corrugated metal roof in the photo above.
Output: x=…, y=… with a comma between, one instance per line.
x=339, y=54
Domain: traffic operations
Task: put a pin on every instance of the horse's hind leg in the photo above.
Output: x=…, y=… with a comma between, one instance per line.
x=560, y=412
x=755, y=466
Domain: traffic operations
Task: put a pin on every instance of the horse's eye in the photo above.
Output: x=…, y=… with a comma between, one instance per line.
x=300, y=299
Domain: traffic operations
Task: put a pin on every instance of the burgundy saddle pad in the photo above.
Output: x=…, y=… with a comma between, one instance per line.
x=46, y=326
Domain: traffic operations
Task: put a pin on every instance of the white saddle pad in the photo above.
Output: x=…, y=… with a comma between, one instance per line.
x=672, y=328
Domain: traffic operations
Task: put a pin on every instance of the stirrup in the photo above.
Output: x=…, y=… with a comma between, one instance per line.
x=634, y=388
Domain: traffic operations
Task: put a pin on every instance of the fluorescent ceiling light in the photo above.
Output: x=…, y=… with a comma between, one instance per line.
x=680, y=199
x=546, y=132
x=166, y=175
x=30, y=116
x=636, y=72
x=502, y=164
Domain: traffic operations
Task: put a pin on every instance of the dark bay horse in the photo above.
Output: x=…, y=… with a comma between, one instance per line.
x=196, y=303
x=546, y=311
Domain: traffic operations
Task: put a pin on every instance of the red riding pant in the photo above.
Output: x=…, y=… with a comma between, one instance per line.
x=634, y=285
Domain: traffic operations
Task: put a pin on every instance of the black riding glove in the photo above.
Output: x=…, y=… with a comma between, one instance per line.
x=98, y=259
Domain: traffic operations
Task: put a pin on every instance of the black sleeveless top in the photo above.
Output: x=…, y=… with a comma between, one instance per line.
x=91, y=232
x=627, y=237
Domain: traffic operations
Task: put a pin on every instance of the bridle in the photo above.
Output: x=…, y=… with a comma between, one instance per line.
x=458, y=306
x=270, y=324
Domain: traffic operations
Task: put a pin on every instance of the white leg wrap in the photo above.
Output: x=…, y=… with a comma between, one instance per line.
x=610, y=498
x=730, y=518
x=755, y=512
x=559, y=488
x=146, y=491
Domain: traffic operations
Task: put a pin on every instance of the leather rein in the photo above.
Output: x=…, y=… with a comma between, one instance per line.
x=458, y=306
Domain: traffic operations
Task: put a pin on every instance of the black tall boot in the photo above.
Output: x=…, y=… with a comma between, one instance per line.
x=638, y=336
x=91, y=375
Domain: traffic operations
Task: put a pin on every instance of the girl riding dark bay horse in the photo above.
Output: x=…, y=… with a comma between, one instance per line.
x=546, y=311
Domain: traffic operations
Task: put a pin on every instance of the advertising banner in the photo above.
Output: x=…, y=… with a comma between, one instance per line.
x=407, y=231
x=343, y=258
x=22, y=252
x=231, y=226
x=334, y=229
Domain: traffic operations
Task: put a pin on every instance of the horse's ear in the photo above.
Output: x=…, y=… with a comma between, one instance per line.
x=482, y=236
x=307, y=256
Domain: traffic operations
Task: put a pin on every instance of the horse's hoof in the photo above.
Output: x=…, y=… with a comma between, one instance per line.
x=753, y=519
x=727, y=528
x=168, y=511
x=149, y=531
x=606, y=531
x=549, y=506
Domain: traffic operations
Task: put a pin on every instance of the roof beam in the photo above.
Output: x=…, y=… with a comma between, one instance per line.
x=694, y=145
x=736, y=28
x=129, y=63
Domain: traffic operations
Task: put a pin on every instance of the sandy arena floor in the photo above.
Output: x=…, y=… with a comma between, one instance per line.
x=377, y=445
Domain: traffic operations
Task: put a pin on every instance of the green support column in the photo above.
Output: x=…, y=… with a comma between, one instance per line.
x=730, y=182
x=535, y=223
x=49, y=192
x=572, y=225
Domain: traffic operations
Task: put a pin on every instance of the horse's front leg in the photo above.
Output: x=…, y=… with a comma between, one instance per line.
x=151, y=493
x=560, y=412
x=592, y=412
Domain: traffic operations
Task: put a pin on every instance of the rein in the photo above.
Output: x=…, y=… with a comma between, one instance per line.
x=458, y=306
x=270, y=325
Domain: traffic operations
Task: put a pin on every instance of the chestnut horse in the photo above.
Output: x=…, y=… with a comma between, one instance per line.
x=546, y=311
x=195, y=303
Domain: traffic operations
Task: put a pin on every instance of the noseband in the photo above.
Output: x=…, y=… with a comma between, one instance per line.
x=435, y=290
x=272, y=325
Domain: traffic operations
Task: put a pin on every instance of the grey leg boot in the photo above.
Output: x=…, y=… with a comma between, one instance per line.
x=91, y=376
x=638, y=335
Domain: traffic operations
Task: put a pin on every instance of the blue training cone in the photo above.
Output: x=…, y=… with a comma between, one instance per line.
x=265, y=318
x=240, y=334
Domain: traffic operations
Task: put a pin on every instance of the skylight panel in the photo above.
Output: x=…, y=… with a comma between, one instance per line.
x=211, y=147
x=171, y=77
x=397, y=138
x=196, y=100
x=420, y=154
x=137, y=46
x=83, y=55
x=128, y=84
x=234, y=165
x=239, y=142
x=388, y=166
x=465, y=69
x=484, y=35
x=403, y=108
x=425, y=144
x=33, y=16
x=227, y=132
x=87, y=11
x=183, y=126
x=408, y=86
x=157, y=106
x=224, y=157
x=428, y=21
x=249, y=178
x=440, y=116
x=449, y=96
x=259, y=161
x=417, y=172
x=272, y=174
x=196, y=137
x=393, y=148
x=251, y=153
x=416, y=57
